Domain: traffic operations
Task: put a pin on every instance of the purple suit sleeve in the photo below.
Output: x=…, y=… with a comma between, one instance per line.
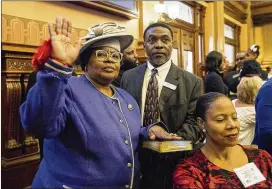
x=263, y=114
x=44, y=111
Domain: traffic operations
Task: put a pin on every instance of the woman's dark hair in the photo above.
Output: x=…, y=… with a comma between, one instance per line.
x=250, y=68
x=213, y=61
x=83, y=59
x=204, y=103
x=268, y=69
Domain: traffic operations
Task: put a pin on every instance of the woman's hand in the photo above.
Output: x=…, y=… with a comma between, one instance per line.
x=60, y=35
x=158, y=132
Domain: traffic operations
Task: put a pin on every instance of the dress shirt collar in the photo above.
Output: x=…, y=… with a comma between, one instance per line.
x=165, y=67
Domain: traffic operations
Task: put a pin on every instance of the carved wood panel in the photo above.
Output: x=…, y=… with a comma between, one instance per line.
x=33, y=33
x=15, y=71
x=188, y=41
x=17, y=30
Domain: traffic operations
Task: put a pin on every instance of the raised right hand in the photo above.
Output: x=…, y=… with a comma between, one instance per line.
x=60, y=35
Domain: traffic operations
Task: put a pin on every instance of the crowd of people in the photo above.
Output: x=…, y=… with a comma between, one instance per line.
x=93, y=125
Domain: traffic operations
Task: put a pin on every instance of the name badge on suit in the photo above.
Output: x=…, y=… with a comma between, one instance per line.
x=169, y=85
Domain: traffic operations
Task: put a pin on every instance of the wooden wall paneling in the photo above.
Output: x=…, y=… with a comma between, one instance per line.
x=4, y=29
x=82, y=33
x=188, y=41
x=44, y=32
x=74, y=35
x=201, y=67
x=181, y=49
x=27, y=34
x=17, y=31
x=198, y=26
x=140, y=49
x=21, y=175
x=18, y=148
x=235, y=12
x=15, y=65
x=177, y=45
x=12, y=97
x=267, y=33
x=33, y=33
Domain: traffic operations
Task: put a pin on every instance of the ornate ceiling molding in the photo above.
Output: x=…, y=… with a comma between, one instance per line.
x=257, y=4
x=110, y=7
x=243, y=3
x=235, y=12
x=261, y=13
x=261, y=19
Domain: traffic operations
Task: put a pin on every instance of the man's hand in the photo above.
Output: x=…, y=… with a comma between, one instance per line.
x=157, y=132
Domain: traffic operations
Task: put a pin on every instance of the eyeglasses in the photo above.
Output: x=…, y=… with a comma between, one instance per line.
x=102, y=55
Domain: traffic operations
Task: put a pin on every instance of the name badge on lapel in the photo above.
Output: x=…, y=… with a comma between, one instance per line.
x=249, y=174
x=169, y=85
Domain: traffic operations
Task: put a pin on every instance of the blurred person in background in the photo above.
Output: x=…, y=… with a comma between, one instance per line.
x=252, y=54
x=232, y=79
x=215, y=63
x=129, y=61
x=244, y=104
x=269, y=72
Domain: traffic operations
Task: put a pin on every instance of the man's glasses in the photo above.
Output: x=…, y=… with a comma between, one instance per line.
x=102, y=55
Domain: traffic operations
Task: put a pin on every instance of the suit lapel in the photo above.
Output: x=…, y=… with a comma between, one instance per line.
x=172, y=78
x=139, y=83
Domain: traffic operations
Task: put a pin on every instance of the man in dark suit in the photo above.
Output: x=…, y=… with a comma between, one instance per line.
x=178, y=90
x=232, y=79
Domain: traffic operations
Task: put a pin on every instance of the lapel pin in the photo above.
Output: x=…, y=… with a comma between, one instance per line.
x=130, y=107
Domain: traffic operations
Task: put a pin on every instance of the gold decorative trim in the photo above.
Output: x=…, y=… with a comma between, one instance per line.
x=13, y=144
x=30, y=141
x=7, y=163
x=25, y=35
x=18, y=65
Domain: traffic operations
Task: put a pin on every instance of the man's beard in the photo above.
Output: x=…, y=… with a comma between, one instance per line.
x=129, y=64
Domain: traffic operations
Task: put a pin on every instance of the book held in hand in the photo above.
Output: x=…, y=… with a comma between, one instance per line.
x=168, y=145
